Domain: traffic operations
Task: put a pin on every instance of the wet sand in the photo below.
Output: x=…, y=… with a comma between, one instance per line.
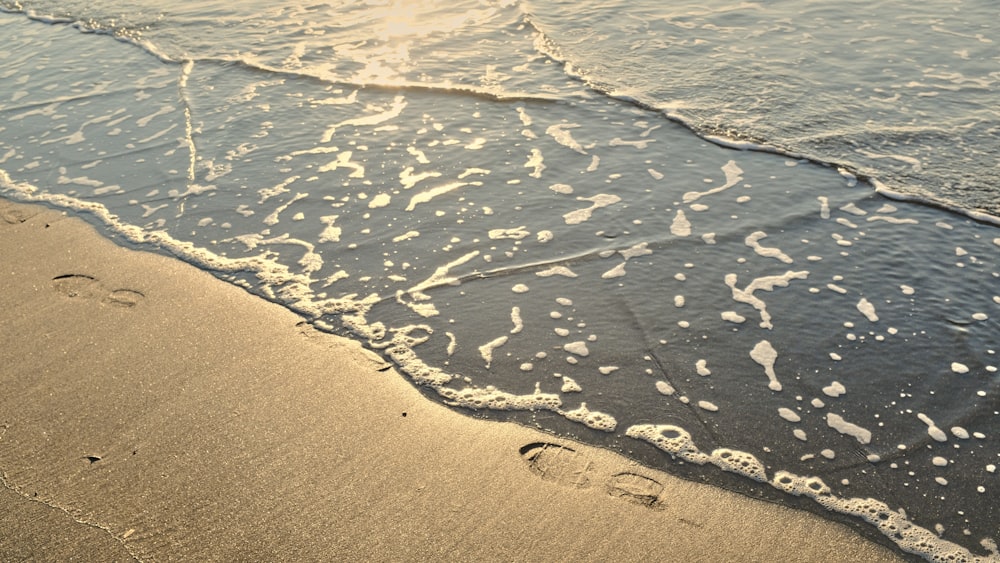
x=152, y=412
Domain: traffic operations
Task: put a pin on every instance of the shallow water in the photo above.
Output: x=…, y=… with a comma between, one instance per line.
x=524, y=245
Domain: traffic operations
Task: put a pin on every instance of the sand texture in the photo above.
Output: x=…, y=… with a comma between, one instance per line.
x=151, y=412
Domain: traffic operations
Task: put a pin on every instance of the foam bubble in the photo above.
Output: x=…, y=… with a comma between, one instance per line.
x=669, y=438
x=834, y=389
x=680, y=227
x=932, y=430
x=516, y=233
x=380, y=200
x=711, y=407
x=578, y=347
x=486, y=350
x=570, y=386
x=939, y=461
x=515, y=317
x=867, y=309
x=733, y=176
x=535, y=161
x=639, y=249
x=837, y=422
x=824, y=207
x=492, y=398
x=702, y=368
x=853, y=209
x=733, y=317
x=789, y=414
x=592, y=419
x=560, y=133
x=519, y=288
x=665, y=388
x=582, y=215
x=893, y=220
x=753, y=241
x=741, y=463
x=765, y=355
x=959, y=367
x=799, y=485
x=766, y=283
x=427, y=195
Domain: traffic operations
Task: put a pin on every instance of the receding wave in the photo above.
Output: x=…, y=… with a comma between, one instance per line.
x=901, y=135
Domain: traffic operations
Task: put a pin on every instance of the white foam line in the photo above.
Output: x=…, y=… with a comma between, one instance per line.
x=977, y=215
x=272, y=219
x=767, y=283
x=427, y=195
x=292, y=286
x=440, y=277
x=565, y=138
x=753, y=241
x=734, y=174
x=398, y=105
x=182, y=82
x=893, y=524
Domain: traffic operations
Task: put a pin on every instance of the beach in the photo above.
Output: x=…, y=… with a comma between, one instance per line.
x=152, y=412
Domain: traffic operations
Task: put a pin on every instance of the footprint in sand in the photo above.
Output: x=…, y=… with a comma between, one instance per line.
x=636, y=488
x=566, y=466
x=12, y=215
x=560, y=464
x=82, y=286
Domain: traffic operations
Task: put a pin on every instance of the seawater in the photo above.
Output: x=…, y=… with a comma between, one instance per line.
x=749, y=244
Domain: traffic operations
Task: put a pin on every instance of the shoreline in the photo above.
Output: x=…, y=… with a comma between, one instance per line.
x=154, y=412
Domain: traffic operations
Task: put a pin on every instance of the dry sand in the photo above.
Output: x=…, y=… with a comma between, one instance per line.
x=151, y=412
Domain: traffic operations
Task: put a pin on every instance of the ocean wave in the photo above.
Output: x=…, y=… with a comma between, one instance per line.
x=950, y=157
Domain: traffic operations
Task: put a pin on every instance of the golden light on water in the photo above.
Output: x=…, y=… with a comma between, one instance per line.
x=408, y=18
x=407, y=22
